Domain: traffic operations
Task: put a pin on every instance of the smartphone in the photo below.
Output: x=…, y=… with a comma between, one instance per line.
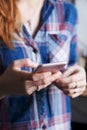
x=53, y=67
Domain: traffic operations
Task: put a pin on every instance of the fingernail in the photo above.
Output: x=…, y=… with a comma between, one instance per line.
x=49, y=73
x=39, y=87
x=31, y=90
x=34, y=77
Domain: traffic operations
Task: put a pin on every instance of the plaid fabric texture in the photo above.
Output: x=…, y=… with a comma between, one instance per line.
x=48, y=109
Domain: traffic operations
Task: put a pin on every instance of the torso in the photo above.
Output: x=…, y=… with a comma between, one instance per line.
x=39, y=111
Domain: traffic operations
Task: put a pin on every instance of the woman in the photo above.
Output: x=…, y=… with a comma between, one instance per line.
x=31, y=35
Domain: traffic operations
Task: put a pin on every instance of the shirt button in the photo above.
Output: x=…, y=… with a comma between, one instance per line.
x=44, y=126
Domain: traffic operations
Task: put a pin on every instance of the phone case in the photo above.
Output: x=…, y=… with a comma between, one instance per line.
x=53, y=67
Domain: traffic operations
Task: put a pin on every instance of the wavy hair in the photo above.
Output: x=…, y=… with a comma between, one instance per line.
x=9, y=16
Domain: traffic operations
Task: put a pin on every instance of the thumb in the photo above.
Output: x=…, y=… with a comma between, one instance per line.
x=24, y=63
x=71, y=70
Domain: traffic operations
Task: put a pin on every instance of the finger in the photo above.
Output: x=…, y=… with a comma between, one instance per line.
x=73, y=78
x=74, y=84
x=72, y=69
x=42, y=86
x=30, y=87
x=43, y=82
x=37, y=84
x=38, y=76
x=52, y=78
x=29, y=83
x=75, y=91
x=69, y=91
x=75, y=95
x=48, y=81
x=68, y=86
x=31, y=90
x=24, y=62
x=81, y=83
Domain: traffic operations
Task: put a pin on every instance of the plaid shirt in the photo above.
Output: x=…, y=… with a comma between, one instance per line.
x=48, y=109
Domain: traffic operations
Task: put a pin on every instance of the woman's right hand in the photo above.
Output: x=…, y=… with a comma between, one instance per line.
x=12, y=81
x=15, y=81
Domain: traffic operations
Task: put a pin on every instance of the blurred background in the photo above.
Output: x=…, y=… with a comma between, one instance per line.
x=79, y=104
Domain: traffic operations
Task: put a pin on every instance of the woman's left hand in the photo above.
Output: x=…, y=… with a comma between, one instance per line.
x=73, y=81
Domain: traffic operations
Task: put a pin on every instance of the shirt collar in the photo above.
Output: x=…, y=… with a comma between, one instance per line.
x=55, y=1
x=48, y=8
x=51, y=17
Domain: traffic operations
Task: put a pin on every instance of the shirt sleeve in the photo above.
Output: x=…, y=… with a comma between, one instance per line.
x=73, y=57
x=1, y=66
x=73, y=18
x=1, y=71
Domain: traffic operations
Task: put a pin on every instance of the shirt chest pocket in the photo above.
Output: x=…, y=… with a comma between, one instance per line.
x=59, y=37
x=59, y=45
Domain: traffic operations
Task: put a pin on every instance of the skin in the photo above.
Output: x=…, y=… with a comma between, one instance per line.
x=33, y=15
x=22, y=82
x=14, y=81
x=73, y=81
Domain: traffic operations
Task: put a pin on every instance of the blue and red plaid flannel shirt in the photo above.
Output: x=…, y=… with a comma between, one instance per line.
x=55, y=41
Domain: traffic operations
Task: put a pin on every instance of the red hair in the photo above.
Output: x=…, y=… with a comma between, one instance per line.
x=9, y=17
